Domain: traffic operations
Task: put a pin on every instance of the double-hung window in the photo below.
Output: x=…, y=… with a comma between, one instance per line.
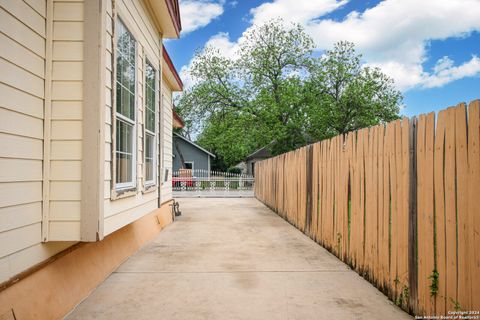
x=150, y=111
x=125, y=151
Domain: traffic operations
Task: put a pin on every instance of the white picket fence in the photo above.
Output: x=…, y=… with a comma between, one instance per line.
x=204, y=183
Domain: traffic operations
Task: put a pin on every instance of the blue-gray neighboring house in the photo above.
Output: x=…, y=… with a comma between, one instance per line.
x=256, y=156
x=194, y=156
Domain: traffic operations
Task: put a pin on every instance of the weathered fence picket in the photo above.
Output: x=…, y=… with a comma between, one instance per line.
x=398, y=202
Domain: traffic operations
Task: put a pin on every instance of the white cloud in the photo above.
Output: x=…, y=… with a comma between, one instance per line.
x=294, y=10
x=394, y=35
x=221, y=41
x=445, y=72
x=196, y=14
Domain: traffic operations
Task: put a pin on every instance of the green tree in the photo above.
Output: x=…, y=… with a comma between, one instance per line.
x=275, y=91
x=345, y=96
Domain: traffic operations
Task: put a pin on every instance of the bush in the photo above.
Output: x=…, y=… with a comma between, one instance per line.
x=234, y=170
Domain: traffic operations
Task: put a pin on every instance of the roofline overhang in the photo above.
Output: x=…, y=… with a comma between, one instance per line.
x=166, y=14
x=170, y=72
x=177, y=120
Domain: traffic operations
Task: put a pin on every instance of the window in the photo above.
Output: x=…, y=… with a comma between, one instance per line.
x=125, y=151
x=189, y=165
x=150, y=103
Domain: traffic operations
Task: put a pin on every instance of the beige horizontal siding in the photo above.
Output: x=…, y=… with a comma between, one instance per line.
x=134, y=15
x=28, y=257
x=17, y=147
x=15, y=29
x=16, y=193
x=72, y=31
x=20, y=170
x=166, y=191
x=64, y=11
x=19, y=216
x=22, y=65
x=23, y=12
x=17, y=54
x=67, y=51
x=67, y=70
x=66, y=150
x=65, y=211
x=64, y=230
x=22, y=54
x=66, y=121
x=67, y=110
x=120, y=205
x=65, y=190
x=24, y=236
x=21, y=101
x=67, y=90
x=108, y=114
x=65, y=170
x=66, y=130
x=21, y=79
x=115, y=222
x=20, y=124
x=38, y=6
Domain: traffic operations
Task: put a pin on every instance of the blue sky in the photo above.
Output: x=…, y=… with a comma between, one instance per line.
x=431, y=48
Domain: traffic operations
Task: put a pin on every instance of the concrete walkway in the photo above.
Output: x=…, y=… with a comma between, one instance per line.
x=234, y=259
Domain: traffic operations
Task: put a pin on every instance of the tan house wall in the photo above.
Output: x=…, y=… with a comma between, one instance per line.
x=119, y=211
x=41, y=128
x=23, y=37
x=166, y=96
x=65, y=150
x=52, y=291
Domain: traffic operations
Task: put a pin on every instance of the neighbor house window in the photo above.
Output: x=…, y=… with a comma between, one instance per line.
x=189, y=165
x=125, y=108
x=150, y=103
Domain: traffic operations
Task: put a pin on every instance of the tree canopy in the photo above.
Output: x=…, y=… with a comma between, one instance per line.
x=277, y=90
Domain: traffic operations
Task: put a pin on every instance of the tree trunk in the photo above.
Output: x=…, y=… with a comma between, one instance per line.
x=182, y=160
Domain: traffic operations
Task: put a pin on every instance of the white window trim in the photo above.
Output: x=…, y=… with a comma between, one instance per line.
x=149, y=183
x=133, y=184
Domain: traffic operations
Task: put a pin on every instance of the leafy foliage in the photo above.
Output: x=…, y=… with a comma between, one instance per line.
x=275, y=90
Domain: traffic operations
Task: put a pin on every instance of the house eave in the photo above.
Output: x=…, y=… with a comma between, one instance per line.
x=167, y=17
x=177, y=121
x=170, y=73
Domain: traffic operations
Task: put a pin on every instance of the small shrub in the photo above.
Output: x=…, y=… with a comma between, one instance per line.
x=234, y=170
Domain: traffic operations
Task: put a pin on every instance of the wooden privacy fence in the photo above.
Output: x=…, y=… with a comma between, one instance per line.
x=400, y=203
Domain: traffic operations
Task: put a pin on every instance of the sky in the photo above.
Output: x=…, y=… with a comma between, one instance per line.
x=431, y=48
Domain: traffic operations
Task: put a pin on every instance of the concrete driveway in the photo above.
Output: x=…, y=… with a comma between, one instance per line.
x=234, y=259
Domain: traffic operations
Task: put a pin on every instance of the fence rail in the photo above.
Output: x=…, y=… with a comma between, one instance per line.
x=205, y=183
x=398, y=202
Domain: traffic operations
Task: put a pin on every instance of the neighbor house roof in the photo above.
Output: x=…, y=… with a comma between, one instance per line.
x=263, y=152
x=194, y=144
x=170, y=72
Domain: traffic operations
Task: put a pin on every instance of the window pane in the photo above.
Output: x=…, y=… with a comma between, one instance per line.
x=124, y=168
x=125, y=71
x=149, y=98
x=124, y=152
x=149, y=147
